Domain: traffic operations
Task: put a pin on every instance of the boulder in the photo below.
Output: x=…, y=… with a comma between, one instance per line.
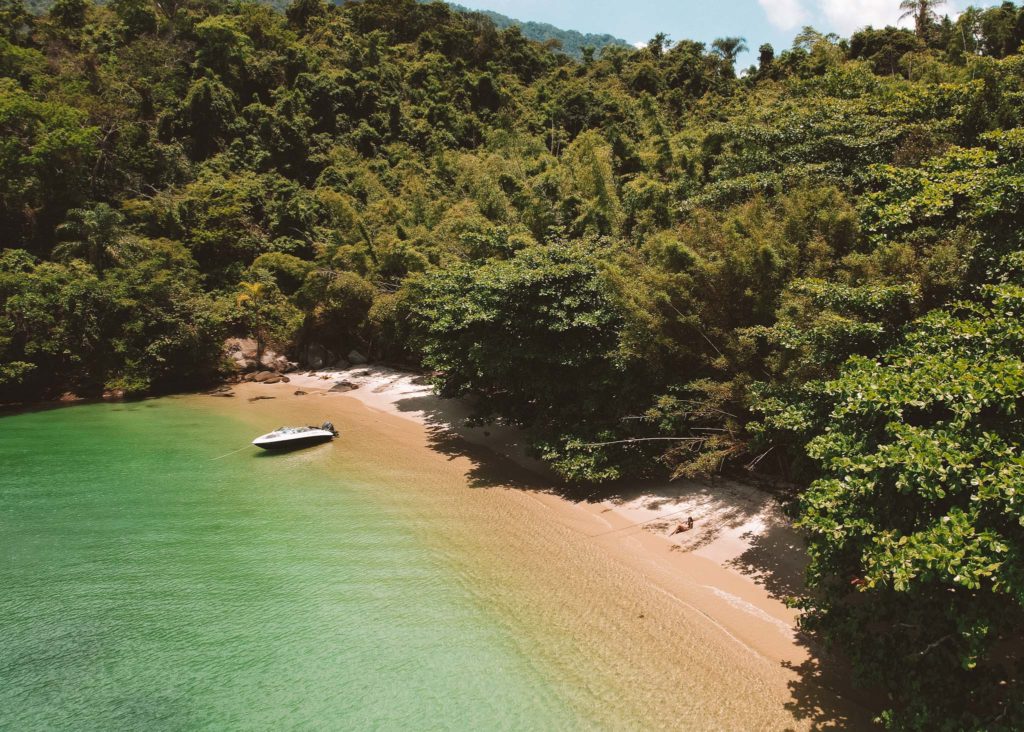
x=341, y=364
x=243, y=363
x=343, y=386
x=273, y=362
x=263, y=376
x=300, y=392
x=285, y=379
x=317, y=356
x=70, y=396
x=241, y=352
x=272, y=380
x=245, y=346
x=356, y=357
x=113, y=395
x=223, y=394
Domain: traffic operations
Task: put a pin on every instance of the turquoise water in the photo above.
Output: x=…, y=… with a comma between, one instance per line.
x=145, y=586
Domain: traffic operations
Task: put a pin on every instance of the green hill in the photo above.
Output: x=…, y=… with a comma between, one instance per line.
x=570, y=42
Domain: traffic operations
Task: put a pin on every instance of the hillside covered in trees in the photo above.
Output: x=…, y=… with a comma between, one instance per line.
x=569, y=42
x=814, y=272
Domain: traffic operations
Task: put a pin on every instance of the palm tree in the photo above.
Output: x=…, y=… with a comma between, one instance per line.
x=923, y=13
x=252, y=299
x=93, y=234
x=659, y=43
x=730, y=47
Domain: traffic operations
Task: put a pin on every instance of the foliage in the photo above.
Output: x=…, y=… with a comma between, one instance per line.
x=533, y=339
x=142, y=326
x=655, y=265
x=915, y=525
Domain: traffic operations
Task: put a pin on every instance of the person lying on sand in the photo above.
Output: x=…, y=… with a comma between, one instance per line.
x=680, y=528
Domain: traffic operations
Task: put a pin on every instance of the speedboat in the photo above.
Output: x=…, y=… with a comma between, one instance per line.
x=291, y=438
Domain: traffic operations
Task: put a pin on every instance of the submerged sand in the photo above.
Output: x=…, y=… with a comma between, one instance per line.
x=642, y=629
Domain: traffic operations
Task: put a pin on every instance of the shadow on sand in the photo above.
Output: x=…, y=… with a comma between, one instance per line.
x=822, y=693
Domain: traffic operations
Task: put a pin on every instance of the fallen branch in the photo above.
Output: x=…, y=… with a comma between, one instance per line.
x=756, y=461
x=646, y=439
x=932, y=646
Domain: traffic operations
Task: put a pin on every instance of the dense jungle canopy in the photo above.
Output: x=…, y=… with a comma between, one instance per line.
x=811, y=270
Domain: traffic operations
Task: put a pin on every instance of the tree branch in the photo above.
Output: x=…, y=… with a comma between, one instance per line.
x=646, y=439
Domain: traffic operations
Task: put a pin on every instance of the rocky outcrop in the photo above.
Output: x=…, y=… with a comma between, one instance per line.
x=316, y=356
x=345, y=386
x=242, y=354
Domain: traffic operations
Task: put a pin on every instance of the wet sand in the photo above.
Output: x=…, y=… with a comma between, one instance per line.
x=639, y=628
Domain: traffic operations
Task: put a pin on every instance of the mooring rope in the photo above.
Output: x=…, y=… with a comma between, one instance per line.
x=229, y=453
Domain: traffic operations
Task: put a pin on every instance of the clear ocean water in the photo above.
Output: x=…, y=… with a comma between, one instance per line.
x=146, y=585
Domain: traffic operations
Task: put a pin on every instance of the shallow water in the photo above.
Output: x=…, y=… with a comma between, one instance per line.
x=156, y=572
x=148, y=586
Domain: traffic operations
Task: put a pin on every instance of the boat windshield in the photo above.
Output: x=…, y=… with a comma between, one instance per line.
x=291, y=430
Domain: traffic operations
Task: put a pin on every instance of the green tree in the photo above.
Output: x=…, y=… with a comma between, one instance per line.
x=534, y=340
x=923, y=12
x=915, y=526
x=138, y=16
x=93, y=234
x=591, y=203
x=262, y=311
x=301, y=12
x=729, y=48
x=69, y=14
x=45, y=159
x=15, y=19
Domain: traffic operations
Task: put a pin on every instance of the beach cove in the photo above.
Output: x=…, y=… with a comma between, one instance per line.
x=414, y=572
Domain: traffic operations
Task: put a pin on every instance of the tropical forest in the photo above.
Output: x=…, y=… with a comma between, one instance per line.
x=807, y=274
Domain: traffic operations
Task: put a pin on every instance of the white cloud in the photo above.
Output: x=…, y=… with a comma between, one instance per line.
x=784, y=14
x=846, y=16
x=841, y=16
x=640, y=44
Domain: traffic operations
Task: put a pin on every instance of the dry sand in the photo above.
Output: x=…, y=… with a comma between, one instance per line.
x=725, y=580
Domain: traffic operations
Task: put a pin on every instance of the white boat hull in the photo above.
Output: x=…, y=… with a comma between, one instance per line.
x=280, y=440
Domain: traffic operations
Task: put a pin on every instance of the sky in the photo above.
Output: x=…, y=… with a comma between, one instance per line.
x=759, y=21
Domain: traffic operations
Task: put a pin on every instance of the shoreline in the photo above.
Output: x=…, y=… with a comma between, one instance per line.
x=733, y=570
x=729, y=517
x=716, y=594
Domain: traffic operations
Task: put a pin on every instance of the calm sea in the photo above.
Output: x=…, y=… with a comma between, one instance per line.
x=146, y=585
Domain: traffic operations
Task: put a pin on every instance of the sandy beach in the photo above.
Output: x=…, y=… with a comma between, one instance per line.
x=702, y=610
